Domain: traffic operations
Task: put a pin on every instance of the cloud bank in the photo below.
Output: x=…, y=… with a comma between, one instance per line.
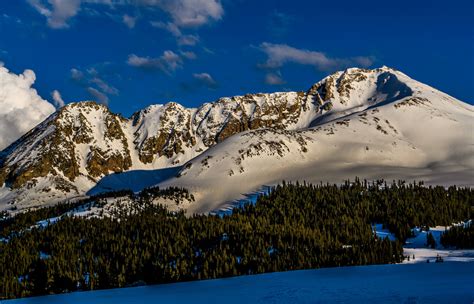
x=21, y=108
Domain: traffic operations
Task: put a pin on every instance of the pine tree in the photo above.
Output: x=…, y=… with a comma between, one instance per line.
x=430, y=241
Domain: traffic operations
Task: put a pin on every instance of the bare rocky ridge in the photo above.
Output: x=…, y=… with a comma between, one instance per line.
x=83, y=142
x=68, y=153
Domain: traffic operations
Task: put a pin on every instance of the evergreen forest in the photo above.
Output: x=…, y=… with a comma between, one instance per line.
x=295, y=226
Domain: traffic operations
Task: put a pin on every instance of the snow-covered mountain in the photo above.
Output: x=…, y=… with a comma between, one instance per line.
x=370, y=123
x=68, y=153
x=366, y=123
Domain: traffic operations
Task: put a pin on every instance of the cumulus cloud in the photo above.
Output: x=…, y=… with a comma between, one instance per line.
x=281, y=54
x=21, y=108
x=167, y=63
x=206, y=80
x=58, y=100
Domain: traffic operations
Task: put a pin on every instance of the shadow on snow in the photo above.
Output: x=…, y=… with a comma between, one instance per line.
x=135, y=180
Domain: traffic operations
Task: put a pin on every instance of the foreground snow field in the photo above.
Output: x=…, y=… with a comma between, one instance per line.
x=449, y=282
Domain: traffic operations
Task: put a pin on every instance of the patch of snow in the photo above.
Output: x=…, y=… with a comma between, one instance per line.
x=383, y=232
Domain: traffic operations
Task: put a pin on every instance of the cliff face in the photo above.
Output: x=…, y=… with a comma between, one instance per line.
x=82, y=142
x=170, y=130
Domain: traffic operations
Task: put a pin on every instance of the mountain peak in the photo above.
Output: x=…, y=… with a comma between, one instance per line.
x=86, y=104
x=83, y=142
x=354, y=89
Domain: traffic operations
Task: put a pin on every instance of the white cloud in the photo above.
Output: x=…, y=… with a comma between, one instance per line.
x=58, y=100
x=170, y=27
x=58, y=12
x=205, y=79
x=274, y=79
x=98, y=95
x=190, y=13
x=21, y=108
x=167, y=63
x=188, y=40
x=280, y=54
x=129, y=21
x=184, y=13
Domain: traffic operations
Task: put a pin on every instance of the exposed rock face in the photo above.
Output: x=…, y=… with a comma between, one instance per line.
x=86, y=141
x=80, y=139
x=172, y=130
x=162, y=131
x=81, y=143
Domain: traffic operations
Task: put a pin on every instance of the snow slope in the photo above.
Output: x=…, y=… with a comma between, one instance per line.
x=382, y=124
x=449, y=282
x=368, y=123
x=67, y=155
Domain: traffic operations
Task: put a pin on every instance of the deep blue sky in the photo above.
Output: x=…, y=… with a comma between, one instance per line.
x=243, y=46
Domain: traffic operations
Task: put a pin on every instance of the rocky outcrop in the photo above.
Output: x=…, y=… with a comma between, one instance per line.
x=86, y=139
x=171, y=130
x=82, y=142
x=80, y=139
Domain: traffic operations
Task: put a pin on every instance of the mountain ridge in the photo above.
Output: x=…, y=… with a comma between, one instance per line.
x=424, y=135
x=68, y=153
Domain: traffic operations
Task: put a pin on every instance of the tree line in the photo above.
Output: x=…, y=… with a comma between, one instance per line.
x=460, y=237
